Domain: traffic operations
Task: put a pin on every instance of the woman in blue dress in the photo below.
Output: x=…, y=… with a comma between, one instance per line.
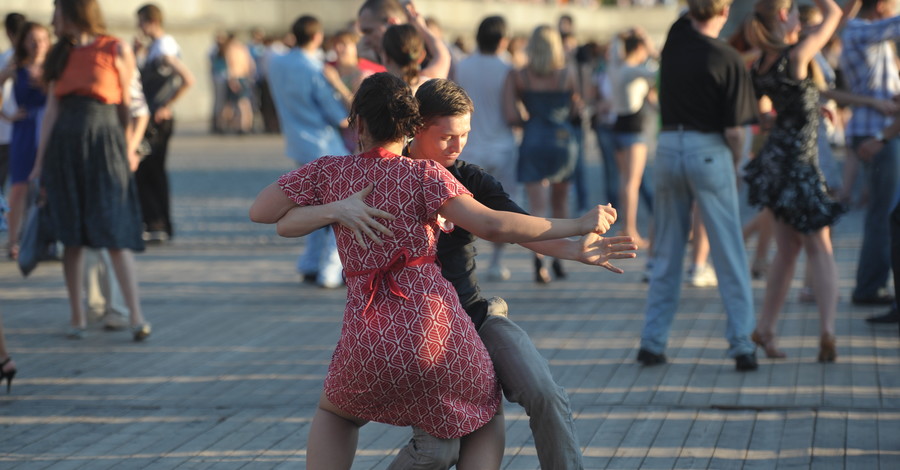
x=26, y=69
x=549, y=150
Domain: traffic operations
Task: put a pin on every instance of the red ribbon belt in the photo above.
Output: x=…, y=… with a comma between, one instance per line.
x=376, y=276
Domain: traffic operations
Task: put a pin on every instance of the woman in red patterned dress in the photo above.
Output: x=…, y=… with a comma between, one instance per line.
x=408, y=354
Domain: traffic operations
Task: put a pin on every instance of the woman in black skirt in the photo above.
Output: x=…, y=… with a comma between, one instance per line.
x=82, y=160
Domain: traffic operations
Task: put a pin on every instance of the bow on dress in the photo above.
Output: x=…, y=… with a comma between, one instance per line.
x=376, y=276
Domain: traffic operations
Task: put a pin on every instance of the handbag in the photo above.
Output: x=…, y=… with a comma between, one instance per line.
x=33, y=247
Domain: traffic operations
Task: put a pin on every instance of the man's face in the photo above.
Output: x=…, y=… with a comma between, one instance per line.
x=443, y=139
x=372, y=29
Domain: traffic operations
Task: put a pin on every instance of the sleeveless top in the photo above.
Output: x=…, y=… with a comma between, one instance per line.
x=91, y=71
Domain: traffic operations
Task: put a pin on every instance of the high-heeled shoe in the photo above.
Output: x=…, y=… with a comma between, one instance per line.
x=7, y=374
x=541, y=276
x=768, y=345
x=827, y=348
x=558, y=270
x=141, y=332
x=759, y=269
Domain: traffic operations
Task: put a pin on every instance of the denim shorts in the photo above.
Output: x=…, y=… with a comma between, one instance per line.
x=627, y=139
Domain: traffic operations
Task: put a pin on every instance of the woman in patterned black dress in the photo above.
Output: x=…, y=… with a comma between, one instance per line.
x=785, y=176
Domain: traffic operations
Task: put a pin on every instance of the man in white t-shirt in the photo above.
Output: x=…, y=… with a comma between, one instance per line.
x=491, y=143
x=13, y=23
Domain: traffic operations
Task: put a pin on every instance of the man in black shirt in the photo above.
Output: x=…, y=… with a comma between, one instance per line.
x=523, y=372
x=706, y=97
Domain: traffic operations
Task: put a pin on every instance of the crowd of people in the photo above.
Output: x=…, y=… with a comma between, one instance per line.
x=408, y=147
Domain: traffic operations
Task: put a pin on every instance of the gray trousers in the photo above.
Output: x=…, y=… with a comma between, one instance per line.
x=526, y=379
x=103, y=294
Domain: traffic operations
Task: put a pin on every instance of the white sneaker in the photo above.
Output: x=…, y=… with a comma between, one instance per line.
x=498, y=273
x=702, y=276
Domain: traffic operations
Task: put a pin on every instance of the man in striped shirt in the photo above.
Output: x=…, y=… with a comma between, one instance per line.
x=869, y=62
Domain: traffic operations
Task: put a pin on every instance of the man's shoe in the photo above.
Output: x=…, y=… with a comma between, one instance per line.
x=746, y=362
x=497, y=306
x=498, y=273
x=880, y=299
x=891, y=316
x=648, y=358
x=701, y=276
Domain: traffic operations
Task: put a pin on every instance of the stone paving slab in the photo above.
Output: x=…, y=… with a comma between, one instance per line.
x=232, y=373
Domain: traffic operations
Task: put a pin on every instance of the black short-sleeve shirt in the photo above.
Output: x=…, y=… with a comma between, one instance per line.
x=703, y=82
x=456, y=250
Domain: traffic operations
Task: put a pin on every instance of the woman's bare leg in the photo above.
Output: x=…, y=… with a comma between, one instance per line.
x=824, y=280
x=483, y=449
x=73, y=271
x=126, y=273
x=333, y=437
x=631, y=168
x=788, y=242
x=17, y=194
x=559, y=200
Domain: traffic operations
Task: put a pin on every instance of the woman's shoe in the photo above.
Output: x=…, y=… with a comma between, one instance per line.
x=75, y=332
x=760, y=269
x=7, y=373
x=827, y=348
x=768, y=345
x=541, y=276
x=141, y=332
x=558, y=270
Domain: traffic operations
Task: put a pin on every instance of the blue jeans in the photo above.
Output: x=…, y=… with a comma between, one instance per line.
x=321, y=258
x=883, y=177
x=526, y=380
x=694, y=166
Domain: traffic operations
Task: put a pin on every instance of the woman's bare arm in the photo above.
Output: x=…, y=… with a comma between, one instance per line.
x=511, y=227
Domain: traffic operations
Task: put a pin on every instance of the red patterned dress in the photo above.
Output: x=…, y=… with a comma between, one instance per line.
x=408, y=353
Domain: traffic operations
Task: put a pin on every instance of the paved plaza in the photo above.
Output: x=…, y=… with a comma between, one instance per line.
x=232, y=374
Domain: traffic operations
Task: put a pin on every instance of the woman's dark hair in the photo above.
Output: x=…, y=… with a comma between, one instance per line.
x=85, y=16
x=403, y=45
x=440, y=97
x=491, y=31
x=21, y=52
x=387, y=107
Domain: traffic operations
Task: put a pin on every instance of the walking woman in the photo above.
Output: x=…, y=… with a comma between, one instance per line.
x=548, y=152
x=408, y=353
x=785, y=176
x=82, y=160
x=26, y=70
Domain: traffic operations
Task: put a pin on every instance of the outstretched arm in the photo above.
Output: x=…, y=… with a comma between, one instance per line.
x=510, y=227
x=591, y=249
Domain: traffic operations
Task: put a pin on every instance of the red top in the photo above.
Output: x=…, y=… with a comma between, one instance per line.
x=91, y=71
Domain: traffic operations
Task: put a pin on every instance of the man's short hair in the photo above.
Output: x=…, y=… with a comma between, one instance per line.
x=384, y=9
x=150, y=13
x=440, y=97
x=705, y=10
x=305, y=29
x=14, y=23
x=491, y=31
